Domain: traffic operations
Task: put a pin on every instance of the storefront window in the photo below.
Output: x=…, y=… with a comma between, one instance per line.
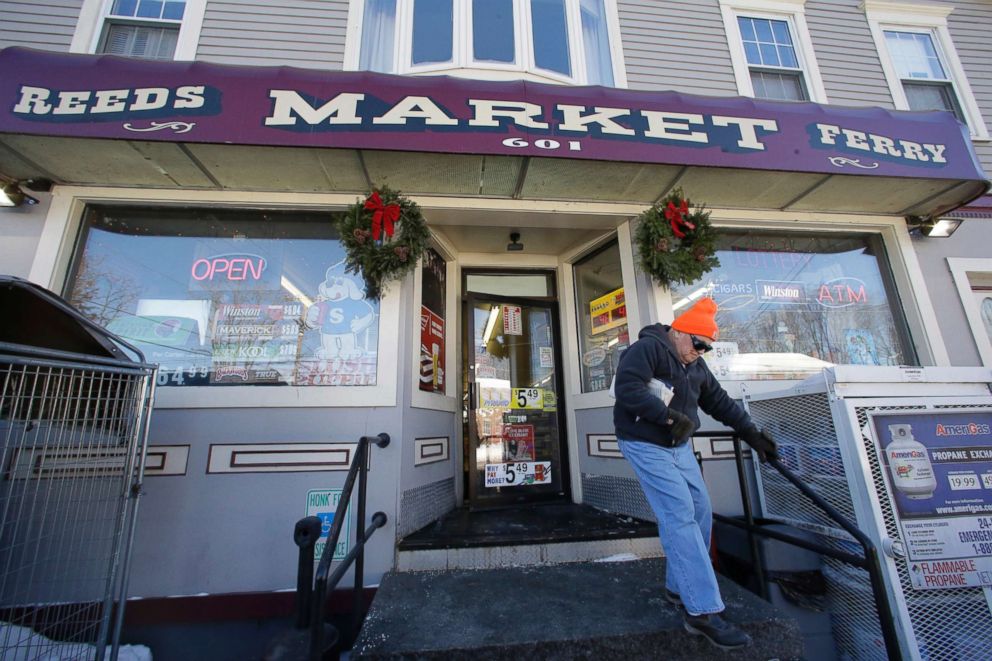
x=432, y=330
x=602, y=316
x=792, y=304
x=227, y=297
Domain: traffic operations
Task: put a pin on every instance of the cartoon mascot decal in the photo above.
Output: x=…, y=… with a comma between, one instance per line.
x=341, y=313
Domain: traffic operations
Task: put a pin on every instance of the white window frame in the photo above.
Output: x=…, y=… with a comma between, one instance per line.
x=94, y=15
x=523, y=66
x=792, y=12
x=903, y=263
x=447, y=401
x=571, y=345
x=963, y=270
x=57, y=244
x=930, y=19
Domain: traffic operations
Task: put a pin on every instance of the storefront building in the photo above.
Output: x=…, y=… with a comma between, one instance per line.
x=191, y=204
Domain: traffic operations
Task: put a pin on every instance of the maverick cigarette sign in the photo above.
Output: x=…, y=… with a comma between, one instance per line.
x=91, y=96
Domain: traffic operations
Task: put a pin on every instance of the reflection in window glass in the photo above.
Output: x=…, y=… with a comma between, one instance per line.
x=227, y=297
x=596, y=39
x=492, y=30
x=550, y=35
x=378, y=36
x=602, y=316
x=432, y=324
x=793, y=304
x=432, y=31
x=914, y=56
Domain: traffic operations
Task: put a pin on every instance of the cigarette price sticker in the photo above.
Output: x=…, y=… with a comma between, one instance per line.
x=527, y=398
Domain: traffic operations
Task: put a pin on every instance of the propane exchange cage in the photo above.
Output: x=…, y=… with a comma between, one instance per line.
x=75, y=403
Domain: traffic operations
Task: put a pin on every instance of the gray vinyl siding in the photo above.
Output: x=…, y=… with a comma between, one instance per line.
x=969, y=25
x=46, y=25
x=846, y=54
x=275, y=33
x=676, y=46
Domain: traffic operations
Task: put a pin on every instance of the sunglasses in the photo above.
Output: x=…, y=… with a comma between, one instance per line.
x=699, y=345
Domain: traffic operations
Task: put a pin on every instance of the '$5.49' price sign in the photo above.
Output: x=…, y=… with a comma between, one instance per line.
x=527, y=398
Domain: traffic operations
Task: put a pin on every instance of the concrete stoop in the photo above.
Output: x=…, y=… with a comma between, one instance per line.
x=495, y=557
x=578, y=610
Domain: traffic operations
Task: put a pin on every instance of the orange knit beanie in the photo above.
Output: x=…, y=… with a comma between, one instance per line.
x=700, y=319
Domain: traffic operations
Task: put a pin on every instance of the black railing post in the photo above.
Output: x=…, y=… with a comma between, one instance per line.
x=759, y=560
x=872, y=562
x=358, y=605
x=322, y=583
x=306, y=534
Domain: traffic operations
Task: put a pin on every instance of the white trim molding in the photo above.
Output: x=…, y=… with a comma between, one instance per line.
x=792, y=12
x=903, y=263
x=447, y=401
x=279, y=457
x=430, y=450
x=930, y=19
x=963, y=271
x=55, y=251
x=94, y=13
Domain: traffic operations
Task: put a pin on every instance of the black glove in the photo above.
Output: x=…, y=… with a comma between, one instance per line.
x=763, y=443
x=681, y=426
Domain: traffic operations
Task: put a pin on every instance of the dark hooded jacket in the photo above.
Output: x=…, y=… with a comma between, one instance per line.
x=639, y=415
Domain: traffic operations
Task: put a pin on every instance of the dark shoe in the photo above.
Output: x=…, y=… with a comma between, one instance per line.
x=673, y=597
x=717, y=630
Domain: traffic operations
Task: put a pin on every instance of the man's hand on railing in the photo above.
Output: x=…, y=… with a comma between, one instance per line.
x=763, y=444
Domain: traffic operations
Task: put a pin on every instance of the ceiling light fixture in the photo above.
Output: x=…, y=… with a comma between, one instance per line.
x=11, y=194
x=934, y=228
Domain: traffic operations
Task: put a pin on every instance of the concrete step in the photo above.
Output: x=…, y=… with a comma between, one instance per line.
x=579, y=610
x=549, y=553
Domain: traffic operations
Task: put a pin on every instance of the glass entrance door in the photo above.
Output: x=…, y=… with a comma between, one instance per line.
x=513, y=402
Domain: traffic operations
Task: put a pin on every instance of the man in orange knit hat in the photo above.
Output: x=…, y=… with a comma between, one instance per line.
x=659, y=384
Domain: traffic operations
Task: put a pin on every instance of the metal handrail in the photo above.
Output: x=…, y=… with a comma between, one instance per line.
x=869, y=562
x=323, y=584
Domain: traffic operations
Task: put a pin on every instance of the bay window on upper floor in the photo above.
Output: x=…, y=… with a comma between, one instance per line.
x=771, y=50
x=149, y=29
x=568, y=41
x=920, y=62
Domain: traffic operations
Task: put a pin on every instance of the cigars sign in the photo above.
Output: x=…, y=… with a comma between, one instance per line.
x=89, y=96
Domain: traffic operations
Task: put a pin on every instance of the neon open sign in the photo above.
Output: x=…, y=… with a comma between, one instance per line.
x=228, y=267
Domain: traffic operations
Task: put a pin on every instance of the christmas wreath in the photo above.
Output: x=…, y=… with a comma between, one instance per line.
x=675, y=241
x=384, y=237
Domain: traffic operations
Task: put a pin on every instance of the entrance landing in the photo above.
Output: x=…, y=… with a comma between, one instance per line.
x=544, y=523
x=579, y=610
x=526, y=535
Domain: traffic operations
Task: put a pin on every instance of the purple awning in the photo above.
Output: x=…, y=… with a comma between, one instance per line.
x=83, y=96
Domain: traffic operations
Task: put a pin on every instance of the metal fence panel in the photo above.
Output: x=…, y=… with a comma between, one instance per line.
x=73, y=436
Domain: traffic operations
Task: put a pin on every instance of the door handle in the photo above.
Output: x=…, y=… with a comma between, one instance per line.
x=471, y=396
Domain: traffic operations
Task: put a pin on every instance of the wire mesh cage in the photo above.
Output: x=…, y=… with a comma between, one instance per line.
x=73, y=431
x=946, y=625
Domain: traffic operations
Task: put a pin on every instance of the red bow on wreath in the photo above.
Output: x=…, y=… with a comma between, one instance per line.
x=382, y=214
x=676, y=216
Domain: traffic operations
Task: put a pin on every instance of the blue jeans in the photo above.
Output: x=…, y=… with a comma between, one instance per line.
x=674, y=487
